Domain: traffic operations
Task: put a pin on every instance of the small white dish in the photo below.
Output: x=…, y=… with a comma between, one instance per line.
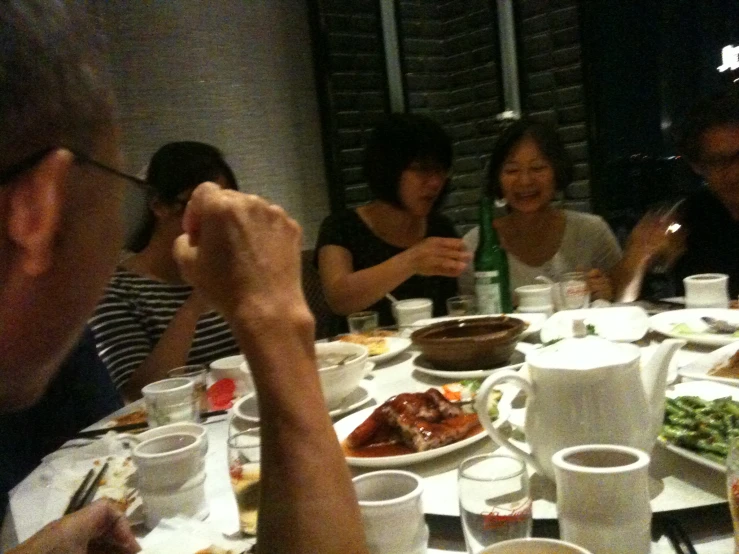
x=535, y=321
x=246, y=409
x=518, y=358
x=618, y=324
x=694, y=329
x=699, y=368
x=396, y=345
x=707, y=390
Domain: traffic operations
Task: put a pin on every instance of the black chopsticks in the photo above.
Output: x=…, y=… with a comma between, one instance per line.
x=678, y=537
x=86, y=490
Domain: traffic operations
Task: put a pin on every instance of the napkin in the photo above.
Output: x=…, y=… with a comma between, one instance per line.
x=180, y=535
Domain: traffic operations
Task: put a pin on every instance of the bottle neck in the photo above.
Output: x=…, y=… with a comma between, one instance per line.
x=488, y=234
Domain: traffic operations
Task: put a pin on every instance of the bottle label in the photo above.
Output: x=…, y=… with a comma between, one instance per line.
x=487, y=290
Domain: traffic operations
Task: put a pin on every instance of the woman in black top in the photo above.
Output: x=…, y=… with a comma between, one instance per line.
x=397, y=243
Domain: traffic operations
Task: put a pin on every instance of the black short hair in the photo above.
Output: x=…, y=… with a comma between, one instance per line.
x=175, y=168
x=714, y=111
x=548, y=141
x=56, y=90
x=397, y=142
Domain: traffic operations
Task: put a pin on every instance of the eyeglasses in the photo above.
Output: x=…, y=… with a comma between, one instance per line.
x=14, y=171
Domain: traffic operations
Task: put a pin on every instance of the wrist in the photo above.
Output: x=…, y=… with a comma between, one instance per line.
x=258, y=323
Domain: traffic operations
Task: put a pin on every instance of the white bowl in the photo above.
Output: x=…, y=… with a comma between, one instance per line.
x=182, y=427
x=338, y=381
x=534, y=546
x=233, y=367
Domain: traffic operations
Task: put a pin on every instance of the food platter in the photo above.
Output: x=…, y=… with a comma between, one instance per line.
x=707, y=390
x=698, y=369
x=687, y=325
x=619, y=323
x=421, y=365
x=396, y=345
x=346, y=425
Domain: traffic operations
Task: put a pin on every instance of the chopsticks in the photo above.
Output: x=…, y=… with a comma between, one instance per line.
x=94, y=433
x=678, y=537
x=86, y=490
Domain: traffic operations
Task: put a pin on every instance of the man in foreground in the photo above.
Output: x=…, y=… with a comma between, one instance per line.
x=60, y=232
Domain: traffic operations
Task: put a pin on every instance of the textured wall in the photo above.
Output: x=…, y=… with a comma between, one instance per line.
x=236, y=74
x=550, y=67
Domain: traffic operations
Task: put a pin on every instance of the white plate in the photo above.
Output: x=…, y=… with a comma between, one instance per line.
x=707, y=390
x=665, y=323
x=516, y=361
x=345, y=426
x=619, y=324
x=396, y=345
x=535, y=321
x=247, y=410
x=699, y=368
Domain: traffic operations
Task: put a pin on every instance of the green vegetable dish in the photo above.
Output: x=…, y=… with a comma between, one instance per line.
x=703, y=426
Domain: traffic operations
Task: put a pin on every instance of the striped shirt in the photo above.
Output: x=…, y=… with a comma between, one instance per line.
x=134, y=313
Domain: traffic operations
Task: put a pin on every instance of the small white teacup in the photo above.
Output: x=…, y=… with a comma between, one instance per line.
x=535, y=299
x=170, y=401
x=707, y=290
x=182, y=427
x=392, y=512
x=534, y=546
x=233, y=367
x=589, y=474
x=170, y=473
x=407, y=312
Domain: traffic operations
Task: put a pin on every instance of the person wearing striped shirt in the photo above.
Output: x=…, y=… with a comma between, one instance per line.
x=149, y=320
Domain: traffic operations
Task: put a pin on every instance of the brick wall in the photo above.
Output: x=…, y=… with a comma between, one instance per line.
x=449, y=55
x=352, y=85
x=550, y=69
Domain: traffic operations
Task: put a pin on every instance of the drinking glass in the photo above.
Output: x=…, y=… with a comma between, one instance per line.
x=494, y=500
x=243, y=468
x=197, y=374
x=458, y=306
x=573, y=288
x=732, y=486
x=362, y=322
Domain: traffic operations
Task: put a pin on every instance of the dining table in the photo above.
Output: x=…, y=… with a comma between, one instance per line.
x=684, y=494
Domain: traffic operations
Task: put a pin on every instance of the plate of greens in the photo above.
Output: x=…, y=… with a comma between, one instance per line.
x=701, y=417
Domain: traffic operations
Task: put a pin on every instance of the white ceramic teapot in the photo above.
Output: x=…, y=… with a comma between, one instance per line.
x=585, y=390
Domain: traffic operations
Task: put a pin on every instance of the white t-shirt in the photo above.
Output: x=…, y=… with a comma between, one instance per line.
x=587, y=242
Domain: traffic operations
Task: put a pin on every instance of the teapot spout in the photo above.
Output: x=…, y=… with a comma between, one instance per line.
x=654, y=379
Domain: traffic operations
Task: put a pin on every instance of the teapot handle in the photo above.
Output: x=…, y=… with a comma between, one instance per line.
x=481, y=407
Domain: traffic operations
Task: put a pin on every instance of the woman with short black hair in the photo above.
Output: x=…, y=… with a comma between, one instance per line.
x=399, y=243
x=149, y=320
x=528, y=166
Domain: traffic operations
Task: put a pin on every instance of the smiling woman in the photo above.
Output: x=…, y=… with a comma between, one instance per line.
x=527, y=167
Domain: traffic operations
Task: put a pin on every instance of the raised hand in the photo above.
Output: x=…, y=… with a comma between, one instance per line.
x=98, y=528
x=447, y=257
x=241, y=253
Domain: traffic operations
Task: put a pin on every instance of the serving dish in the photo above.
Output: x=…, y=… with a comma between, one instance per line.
x=698, y=369
x=687, y=324
x=517, y=359
x=707, y=390
x=466, y=344
x=534, y=321
x=618, y=324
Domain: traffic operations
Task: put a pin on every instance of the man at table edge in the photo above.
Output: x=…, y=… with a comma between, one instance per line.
x=60, y=231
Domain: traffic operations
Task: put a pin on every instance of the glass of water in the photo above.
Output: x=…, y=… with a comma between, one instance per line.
x=494, y=500
x=458, y=306
x=573, y=287
x=362, y=322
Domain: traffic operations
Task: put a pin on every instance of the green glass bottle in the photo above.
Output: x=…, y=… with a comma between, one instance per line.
x=491, y=267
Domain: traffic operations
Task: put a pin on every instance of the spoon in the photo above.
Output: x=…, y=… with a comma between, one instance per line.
x=720, y=326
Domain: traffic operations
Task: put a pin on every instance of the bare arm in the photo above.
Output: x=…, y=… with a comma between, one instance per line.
x=350, y=291
x=244, y=254
x=171, y=350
